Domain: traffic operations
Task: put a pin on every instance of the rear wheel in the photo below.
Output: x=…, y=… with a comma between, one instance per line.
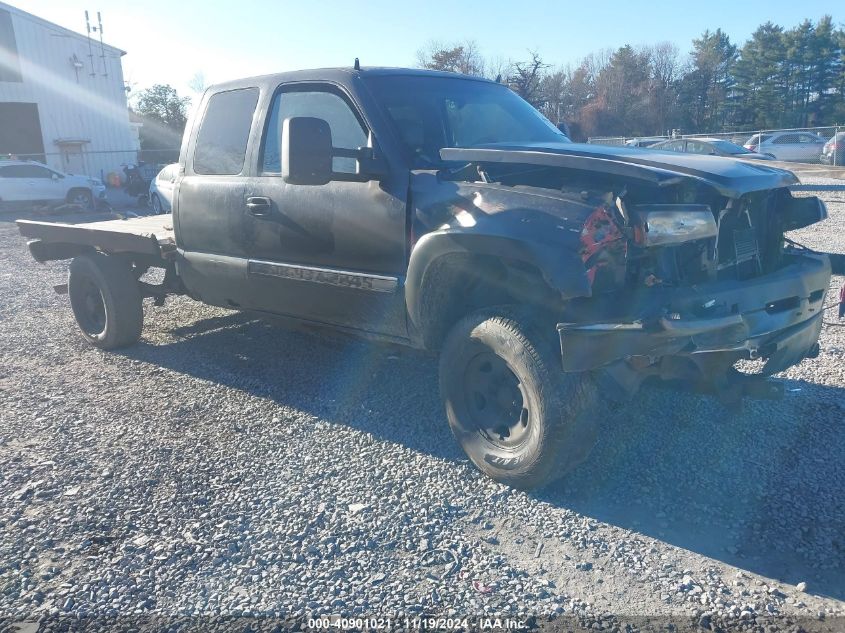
x=106, y=300
x=156, y=203
x=518, y=416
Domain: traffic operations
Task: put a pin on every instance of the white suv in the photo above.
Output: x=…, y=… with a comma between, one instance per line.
x=25, y=184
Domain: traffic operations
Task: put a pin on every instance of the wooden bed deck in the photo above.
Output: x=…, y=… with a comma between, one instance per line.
x=149, y=235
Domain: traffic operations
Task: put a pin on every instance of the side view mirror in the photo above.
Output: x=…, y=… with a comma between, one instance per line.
x=306, y=151
x=54, y=176
x=307, y=154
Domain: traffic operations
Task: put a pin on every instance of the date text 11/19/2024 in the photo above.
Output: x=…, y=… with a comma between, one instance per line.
x=412, y=623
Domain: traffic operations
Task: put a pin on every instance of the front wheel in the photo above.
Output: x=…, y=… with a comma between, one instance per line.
x=156, y=203
x=81, y=198
x=106, y=300
x=517, y=415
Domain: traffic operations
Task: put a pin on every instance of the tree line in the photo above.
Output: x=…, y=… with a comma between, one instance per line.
x=779, y=78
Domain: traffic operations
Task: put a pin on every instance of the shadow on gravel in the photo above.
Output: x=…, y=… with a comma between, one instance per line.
x=763, y=489
x=387, y=391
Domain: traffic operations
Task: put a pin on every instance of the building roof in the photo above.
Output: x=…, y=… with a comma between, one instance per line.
x=54, y=27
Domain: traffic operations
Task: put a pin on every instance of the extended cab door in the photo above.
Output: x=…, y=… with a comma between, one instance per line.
x=209, y=213
x=331, y=253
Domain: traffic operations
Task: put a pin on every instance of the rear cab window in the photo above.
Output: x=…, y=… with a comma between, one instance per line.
x=224, y=133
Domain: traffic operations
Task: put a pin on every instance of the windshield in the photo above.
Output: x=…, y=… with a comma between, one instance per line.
x=430, y=113
x=729, y=148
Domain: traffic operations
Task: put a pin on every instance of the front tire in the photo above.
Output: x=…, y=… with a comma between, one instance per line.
x=517, y=415
x=156, y=204
x=81, y=198
x=106, y=300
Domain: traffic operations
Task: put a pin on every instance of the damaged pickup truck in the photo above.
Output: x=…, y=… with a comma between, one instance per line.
x=444, y=213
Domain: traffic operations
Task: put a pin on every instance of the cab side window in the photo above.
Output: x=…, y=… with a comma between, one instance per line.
x=347, y=131
x=224, y=132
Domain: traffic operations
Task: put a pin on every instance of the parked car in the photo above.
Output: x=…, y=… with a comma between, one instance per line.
x=795, y=146
x=833, y=152
x=25, y=184
x=396, y=203
x=709, y=147
x=161, y=189
x=644, y=141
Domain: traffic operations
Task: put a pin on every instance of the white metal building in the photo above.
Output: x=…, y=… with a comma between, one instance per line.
x=62, y=97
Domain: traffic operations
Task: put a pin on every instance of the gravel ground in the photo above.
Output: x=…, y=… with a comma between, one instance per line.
x=223, y=467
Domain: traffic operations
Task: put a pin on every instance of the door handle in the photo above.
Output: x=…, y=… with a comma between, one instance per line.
x=258, y=205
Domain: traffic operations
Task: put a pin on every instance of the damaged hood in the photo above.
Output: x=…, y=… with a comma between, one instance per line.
x=730, y=177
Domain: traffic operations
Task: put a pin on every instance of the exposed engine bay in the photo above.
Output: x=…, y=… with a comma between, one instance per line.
x=685, y=233
x=686, y=279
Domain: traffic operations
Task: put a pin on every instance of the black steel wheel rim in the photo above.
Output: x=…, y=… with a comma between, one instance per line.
x=495, y=402
x=92, y=309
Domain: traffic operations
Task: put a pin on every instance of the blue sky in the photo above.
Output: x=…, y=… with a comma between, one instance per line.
x=169, y=41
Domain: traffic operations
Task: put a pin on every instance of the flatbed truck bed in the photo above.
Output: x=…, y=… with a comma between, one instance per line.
x=151, y=237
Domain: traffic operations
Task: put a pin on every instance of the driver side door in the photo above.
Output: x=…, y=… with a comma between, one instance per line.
x=332, y=253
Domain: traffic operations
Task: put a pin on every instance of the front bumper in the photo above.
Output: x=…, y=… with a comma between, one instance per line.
x=776, y=316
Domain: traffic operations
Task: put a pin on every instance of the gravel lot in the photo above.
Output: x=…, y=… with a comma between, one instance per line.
x=223, y=467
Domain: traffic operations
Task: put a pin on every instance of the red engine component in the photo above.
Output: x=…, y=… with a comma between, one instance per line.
x=603, y=246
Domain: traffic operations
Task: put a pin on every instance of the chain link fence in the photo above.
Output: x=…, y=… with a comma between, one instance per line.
x=809, y=145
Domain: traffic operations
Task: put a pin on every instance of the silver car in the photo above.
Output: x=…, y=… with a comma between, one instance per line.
x=709, y=147
x=795, y=146
x=161, y=189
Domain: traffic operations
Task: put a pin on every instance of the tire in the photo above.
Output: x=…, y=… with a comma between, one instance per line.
x=82, y=198
x=517, y=415
x=106, y=300
x=156, y=204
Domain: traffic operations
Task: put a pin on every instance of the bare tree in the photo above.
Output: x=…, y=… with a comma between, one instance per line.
x=594, y=63
x=197, y=82
x=525, y=78
x=499, y=69
x=666, y=68
x=555, y=87
x=464, y=57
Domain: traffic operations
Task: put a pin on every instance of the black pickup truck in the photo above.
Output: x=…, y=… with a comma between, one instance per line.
x=445, y=213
